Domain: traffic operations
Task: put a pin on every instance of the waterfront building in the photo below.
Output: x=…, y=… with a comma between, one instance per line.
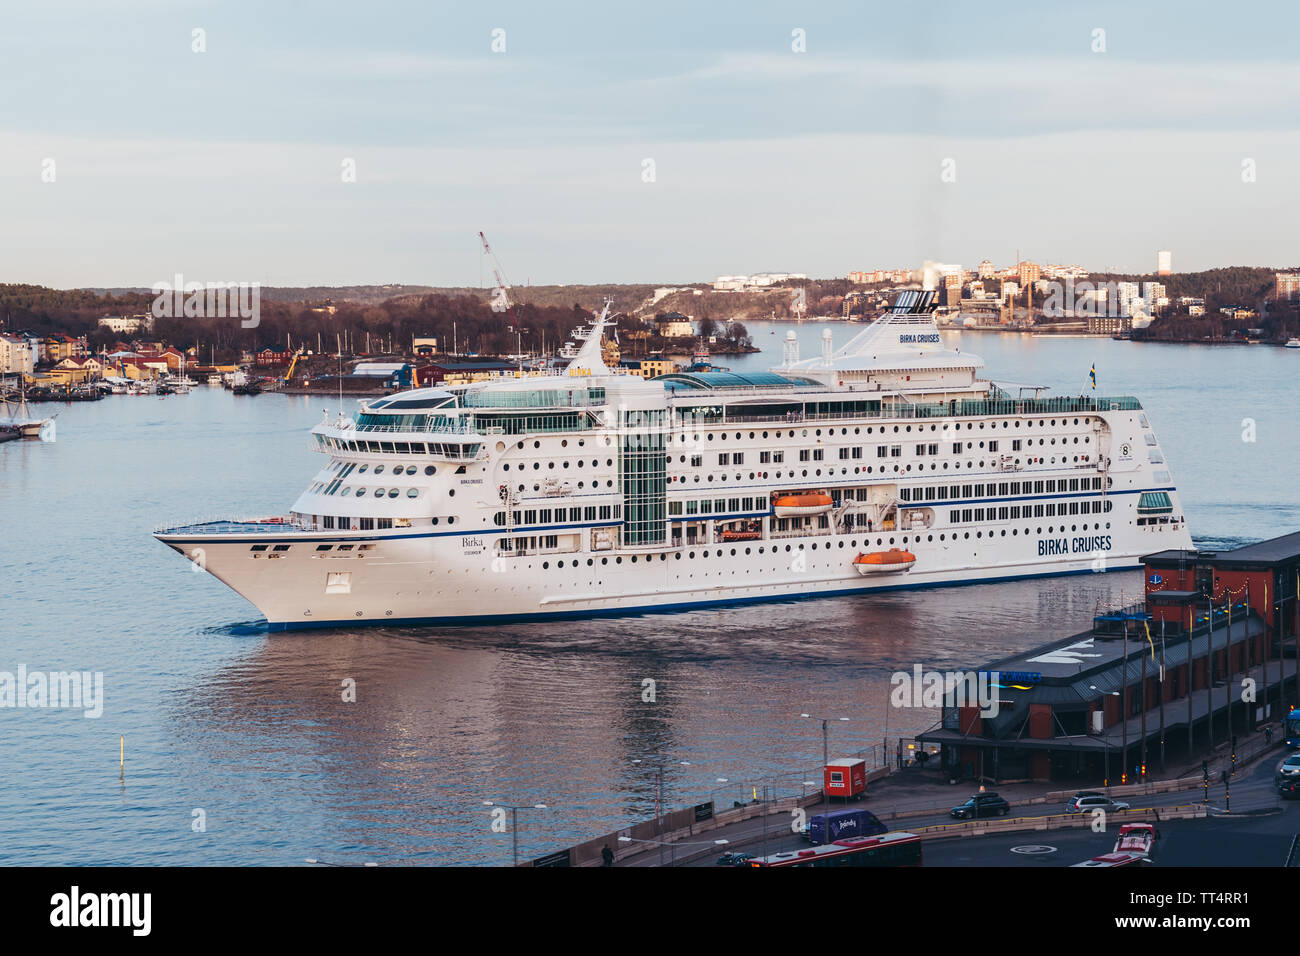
x=73, y=371
x=16, y=355
x=674, y=325
x=464, y=371
x=273, y=357
x=1154, y=679
x=59, y=346
x=1287, y=286
x=394, y=375
x=1126, y=295
x=648, y=367
x=1109, y=324
x=126, y=324
x=758, y=280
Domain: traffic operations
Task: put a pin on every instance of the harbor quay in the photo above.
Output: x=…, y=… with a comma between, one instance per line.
x=1161, y=705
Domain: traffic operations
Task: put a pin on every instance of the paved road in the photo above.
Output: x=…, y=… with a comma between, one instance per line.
x=1253, y=801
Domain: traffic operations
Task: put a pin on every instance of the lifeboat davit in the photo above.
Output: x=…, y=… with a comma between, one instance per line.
x=792, y=506
x=884, y=562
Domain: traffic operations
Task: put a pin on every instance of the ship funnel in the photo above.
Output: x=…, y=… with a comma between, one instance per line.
x=827, y=348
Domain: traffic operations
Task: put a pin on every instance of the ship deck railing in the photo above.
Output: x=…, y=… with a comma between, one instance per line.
x=463, y=428
x=803, y=533
x=237, y=526
x=962, y=408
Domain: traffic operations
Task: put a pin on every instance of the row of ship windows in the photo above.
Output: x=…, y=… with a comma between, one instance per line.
x=1016, y=512
x=694, y=438
x=595, y=463
x=343, y=523
x=343, y=468
x=550, y=515
x=508, y=545
x=1003, y=489
x=859, y=451
x=717, y=506
x=399, y=447
x=871, y=469
x=776, y=549
x=582, y=484
x=333, y=488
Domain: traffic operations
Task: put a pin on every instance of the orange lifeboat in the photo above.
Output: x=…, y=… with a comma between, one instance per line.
x=792, y=506
x=892, y=561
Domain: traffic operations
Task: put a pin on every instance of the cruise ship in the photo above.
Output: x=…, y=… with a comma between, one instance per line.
x=888, y=463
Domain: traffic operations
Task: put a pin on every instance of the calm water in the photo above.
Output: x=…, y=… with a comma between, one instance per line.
x=250, y=728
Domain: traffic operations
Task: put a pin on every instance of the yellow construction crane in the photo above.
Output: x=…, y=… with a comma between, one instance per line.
x=289, y=374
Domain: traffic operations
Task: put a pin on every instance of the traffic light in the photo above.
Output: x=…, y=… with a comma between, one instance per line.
x=1205, y=769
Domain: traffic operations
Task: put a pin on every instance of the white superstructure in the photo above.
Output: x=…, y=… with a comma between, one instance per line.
x=593, y=492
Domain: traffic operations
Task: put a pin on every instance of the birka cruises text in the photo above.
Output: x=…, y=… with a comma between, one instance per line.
x=1084, y=544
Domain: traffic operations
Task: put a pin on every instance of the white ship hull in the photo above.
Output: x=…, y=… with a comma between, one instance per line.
x=428, y=581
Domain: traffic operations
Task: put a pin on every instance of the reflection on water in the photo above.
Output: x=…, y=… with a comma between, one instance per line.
x=253, y=730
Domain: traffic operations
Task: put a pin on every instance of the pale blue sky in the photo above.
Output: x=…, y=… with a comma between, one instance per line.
x=226, y=165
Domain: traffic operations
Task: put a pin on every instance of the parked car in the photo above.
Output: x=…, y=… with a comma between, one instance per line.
x=1290, y=767
x=1289, y=788
x=1088, y=801
x=982, y=805
x=734, y=859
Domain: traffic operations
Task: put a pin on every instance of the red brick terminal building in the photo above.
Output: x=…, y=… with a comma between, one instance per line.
x=1158, y=680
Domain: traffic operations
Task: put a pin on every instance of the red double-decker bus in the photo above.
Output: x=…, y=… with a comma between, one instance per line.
x=1114, y=859
x=887, y=849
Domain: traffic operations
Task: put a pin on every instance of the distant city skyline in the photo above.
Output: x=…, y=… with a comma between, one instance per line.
x=666, y=144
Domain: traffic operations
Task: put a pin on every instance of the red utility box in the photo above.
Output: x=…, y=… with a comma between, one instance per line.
x=846, y=777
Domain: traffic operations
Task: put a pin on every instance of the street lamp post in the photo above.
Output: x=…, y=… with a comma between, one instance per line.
x=1106, y=749
x=658, y=767
x=514, y=823
x=826, y=756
